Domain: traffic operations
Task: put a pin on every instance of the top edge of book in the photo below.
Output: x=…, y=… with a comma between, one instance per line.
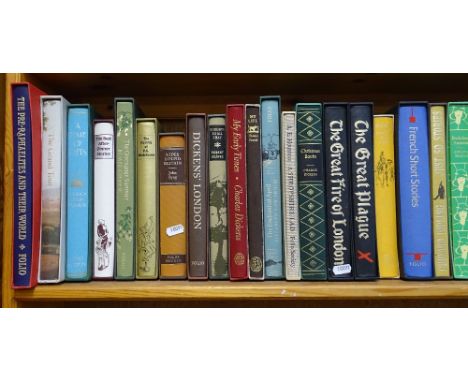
x=270, y=97
x=408, y=103
x=171, y=134
x=208, y=116
x=124, y=99
x=77, y=105
x=146, y=119
x=384, y=116
x=308, y=104
x=364, y=103
x=49, y=97
x=252, y=105
x=458, y=103
x=188, y=115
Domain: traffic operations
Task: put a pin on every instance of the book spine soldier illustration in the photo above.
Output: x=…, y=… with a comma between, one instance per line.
x=104, y=199
x=291, y=243
x=338, y=192
x=147, y=199
x=197, y=201
x=362, y=170
x=254, y=192
x=218, y=198
x=457, y=120
x=172, y=206
x=311, y=190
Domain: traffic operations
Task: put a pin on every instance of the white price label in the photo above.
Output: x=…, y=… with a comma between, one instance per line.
x=342, y=269
x=174, y=230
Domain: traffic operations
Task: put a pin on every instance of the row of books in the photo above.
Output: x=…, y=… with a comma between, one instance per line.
x=327, y=191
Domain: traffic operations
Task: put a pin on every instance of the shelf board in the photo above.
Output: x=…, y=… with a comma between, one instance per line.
x=225, y=290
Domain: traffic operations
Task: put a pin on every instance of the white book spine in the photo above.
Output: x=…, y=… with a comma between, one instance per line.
x=54, y=189
x=290, y=196
x=104, y=194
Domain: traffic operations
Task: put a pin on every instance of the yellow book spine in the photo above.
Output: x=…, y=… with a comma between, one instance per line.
x=439, y=192
x=385, y=197
x=147, y=200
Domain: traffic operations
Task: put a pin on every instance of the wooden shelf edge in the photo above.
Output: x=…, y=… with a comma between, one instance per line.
x=225, y=290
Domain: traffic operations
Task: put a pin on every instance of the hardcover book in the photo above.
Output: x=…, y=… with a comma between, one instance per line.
x=457, y=121
x=385, y=196
x=218, y=197
x=172, y=206
x=237, y=193
x=440, y=229
x=311, y=190
x=363, y=197
x=79, y=175
x=52, y=257
x=147, y=256
x=338, y=192
x=290, y=197
x=104, y=199
x=254, y=192
x=415, y=231
x=125, y=188
x=197, y=196
x=27, y=149
x=270, y=108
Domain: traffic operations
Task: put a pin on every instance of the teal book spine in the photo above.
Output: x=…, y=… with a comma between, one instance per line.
x=270, y=107
x=79, y=194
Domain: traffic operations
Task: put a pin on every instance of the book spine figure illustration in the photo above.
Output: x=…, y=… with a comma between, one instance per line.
x=218, y=198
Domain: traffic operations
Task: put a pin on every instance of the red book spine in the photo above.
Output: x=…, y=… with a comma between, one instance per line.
x=237, y=193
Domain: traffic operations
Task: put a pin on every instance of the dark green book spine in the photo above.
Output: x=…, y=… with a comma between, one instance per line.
x=311, y=187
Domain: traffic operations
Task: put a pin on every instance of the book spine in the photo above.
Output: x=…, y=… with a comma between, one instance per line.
x=290, y=197
x=23, y=273
x=197, y=197
x=237, y=193
x=172, y=207
x=414, y=191
x=104, y=200
x=53, y=223
x=125, y=190
x=254, y=192
x=385, y=196
x=457, y=121
x=440, y=230
x=362, y=175
x=218, y=198
x=79, y=195
x=339, y=224
x=271, y=173
x=311, y=190
x=147, y=200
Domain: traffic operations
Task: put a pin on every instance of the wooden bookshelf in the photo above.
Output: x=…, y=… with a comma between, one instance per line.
x=169, y=97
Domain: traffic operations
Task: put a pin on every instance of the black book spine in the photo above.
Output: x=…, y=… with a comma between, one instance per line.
x=362, y=170
x=339, y=223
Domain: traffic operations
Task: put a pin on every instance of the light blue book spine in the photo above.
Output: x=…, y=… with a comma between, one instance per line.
x=272, y=213
x=79, y=189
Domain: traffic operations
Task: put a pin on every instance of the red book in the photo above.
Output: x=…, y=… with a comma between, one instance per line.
x=237, y=192
x=27, y=138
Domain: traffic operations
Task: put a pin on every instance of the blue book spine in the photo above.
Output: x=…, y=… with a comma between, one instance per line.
x=23, y=186
x=79, y=190
x=414, y=191
x=272, y=213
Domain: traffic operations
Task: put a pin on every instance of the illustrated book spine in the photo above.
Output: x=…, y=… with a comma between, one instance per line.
x=147, y=206
x=237, y=193
x=27, y=150
x=125, y=188
x=415, y=231
x=311, y=191
x=218, y=197
x=363, y=195
x=338, y=192
x=457, y=122
x=292, y=259
x=440, y=229
x=385, y=196
x=79, y=182
x=270, y=108
x=254, y=192
x=52, y=258
x=172, y=206
x=104, y=199
x=197, y=196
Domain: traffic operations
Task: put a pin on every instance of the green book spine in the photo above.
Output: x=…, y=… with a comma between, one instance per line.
x=457, y=122
x=147, y=199
x=311, y=187
x=125, y=189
